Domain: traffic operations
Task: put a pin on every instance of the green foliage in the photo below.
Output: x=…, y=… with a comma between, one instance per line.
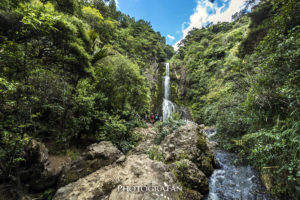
x=11, y=151
x=48, y=194
x=67, y=6
x=71, y=72
x=260, y=18
x=244, y=78
x=155, y=154
x=279, y=149
x=73, y=153
x=209, y=57
x=93, y=12
x=180, y=171
x=122, y=83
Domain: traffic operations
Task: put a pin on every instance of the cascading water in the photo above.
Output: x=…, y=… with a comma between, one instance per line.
x=168, y=106
x=234, y=181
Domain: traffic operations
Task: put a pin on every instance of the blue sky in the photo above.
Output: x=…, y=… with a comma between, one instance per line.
x=175, y=18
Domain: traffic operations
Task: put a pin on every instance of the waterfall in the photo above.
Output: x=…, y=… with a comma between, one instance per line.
x=168, y=106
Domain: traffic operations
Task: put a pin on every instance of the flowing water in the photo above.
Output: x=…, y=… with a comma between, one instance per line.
x=168, y=106
x=234, y=182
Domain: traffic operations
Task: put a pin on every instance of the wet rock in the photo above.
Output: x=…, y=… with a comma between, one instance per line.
x=97, y=156
x=212, y=144
x=191, y=195
x=190, y=175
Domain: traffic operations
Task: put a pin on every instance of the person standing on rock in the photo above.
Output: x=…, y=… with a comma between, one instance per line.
x=137, y=116
x=156, y=118
x=152, y=118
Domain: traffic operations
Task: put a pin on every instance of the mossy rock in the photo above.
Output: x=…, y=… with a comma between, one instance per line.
x=190, y=195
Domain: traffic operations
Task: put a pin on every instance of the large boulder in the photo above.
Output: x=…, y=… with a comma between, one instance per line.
x=37, y=174
x=190, y=175
x=137, y=178
x=189, y=142
x=148, y=135
x=95, y=157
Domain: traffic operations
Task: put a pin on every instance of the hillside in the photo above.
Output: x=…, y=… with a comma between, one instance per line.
x=244, y=77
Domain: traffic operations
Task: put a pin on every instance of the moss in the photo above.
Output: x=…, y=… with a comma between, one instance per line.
x=154, y=153
x=157, y=91
x=189, y=194
x=73, y=153
x=183, y=156
x=67, y=178
x=201, y=143
x=179, y=171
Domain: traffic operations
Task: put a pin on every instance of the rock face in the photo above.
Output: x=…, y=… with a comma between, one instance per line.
x=38, y=175
x=118, y=181
x=96, y=157
x=148, y=135
x=181, y=175
x=154, y=75
x=190, y=175
x=189, y=142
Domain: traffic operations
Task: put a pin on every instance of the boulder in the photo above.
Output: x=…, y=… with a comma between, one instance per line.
x=37, y=174
x=181, y=173
x=95, y=157
x=137, y=178
x=189, y=142
x=148, y=135
x=191, y=176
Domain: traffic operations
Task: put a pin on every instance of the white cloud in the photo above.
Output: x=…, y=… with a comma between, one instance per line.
x=171, y=37
x=201, y=17
x=117, y=3
x=235, y=6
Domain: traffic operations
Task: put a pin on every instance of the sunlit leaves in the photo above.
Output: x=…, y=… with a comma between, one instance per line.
x=39, y=16
x=93, y=12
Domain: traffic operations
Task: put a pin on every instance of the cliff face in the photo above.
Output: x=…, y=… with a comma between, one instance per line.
x=154, y=75
x=203, y=66
x=181, y=172
x=178, y=82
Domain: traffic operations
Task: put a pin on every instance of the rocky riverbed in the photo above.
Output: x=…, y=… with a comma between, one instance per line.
x=233, y=181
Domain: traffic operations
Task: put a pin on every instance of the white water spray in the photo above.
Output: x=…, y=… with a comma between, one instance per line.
x=168, y=106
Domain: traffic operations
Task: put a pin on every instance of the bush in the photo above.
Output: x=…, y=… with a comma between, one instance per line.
x=165, y=128
x=276, y=150
x=120, y=132
x=155, y=154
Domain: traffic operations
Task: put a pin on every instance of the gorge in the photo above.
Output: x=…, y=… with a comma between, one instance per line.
x=79, y=81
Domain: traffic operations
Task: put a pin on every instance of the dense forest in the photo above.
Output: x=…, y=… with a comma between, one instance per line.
x=76, y=72
x=244, y=77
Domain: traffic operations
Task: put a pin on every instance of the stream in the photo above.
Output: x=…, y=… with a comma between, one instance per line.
x=234, y=182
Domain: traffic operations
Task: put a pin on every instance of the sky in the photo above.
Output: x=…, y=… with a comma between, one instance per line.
x=175, y=18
